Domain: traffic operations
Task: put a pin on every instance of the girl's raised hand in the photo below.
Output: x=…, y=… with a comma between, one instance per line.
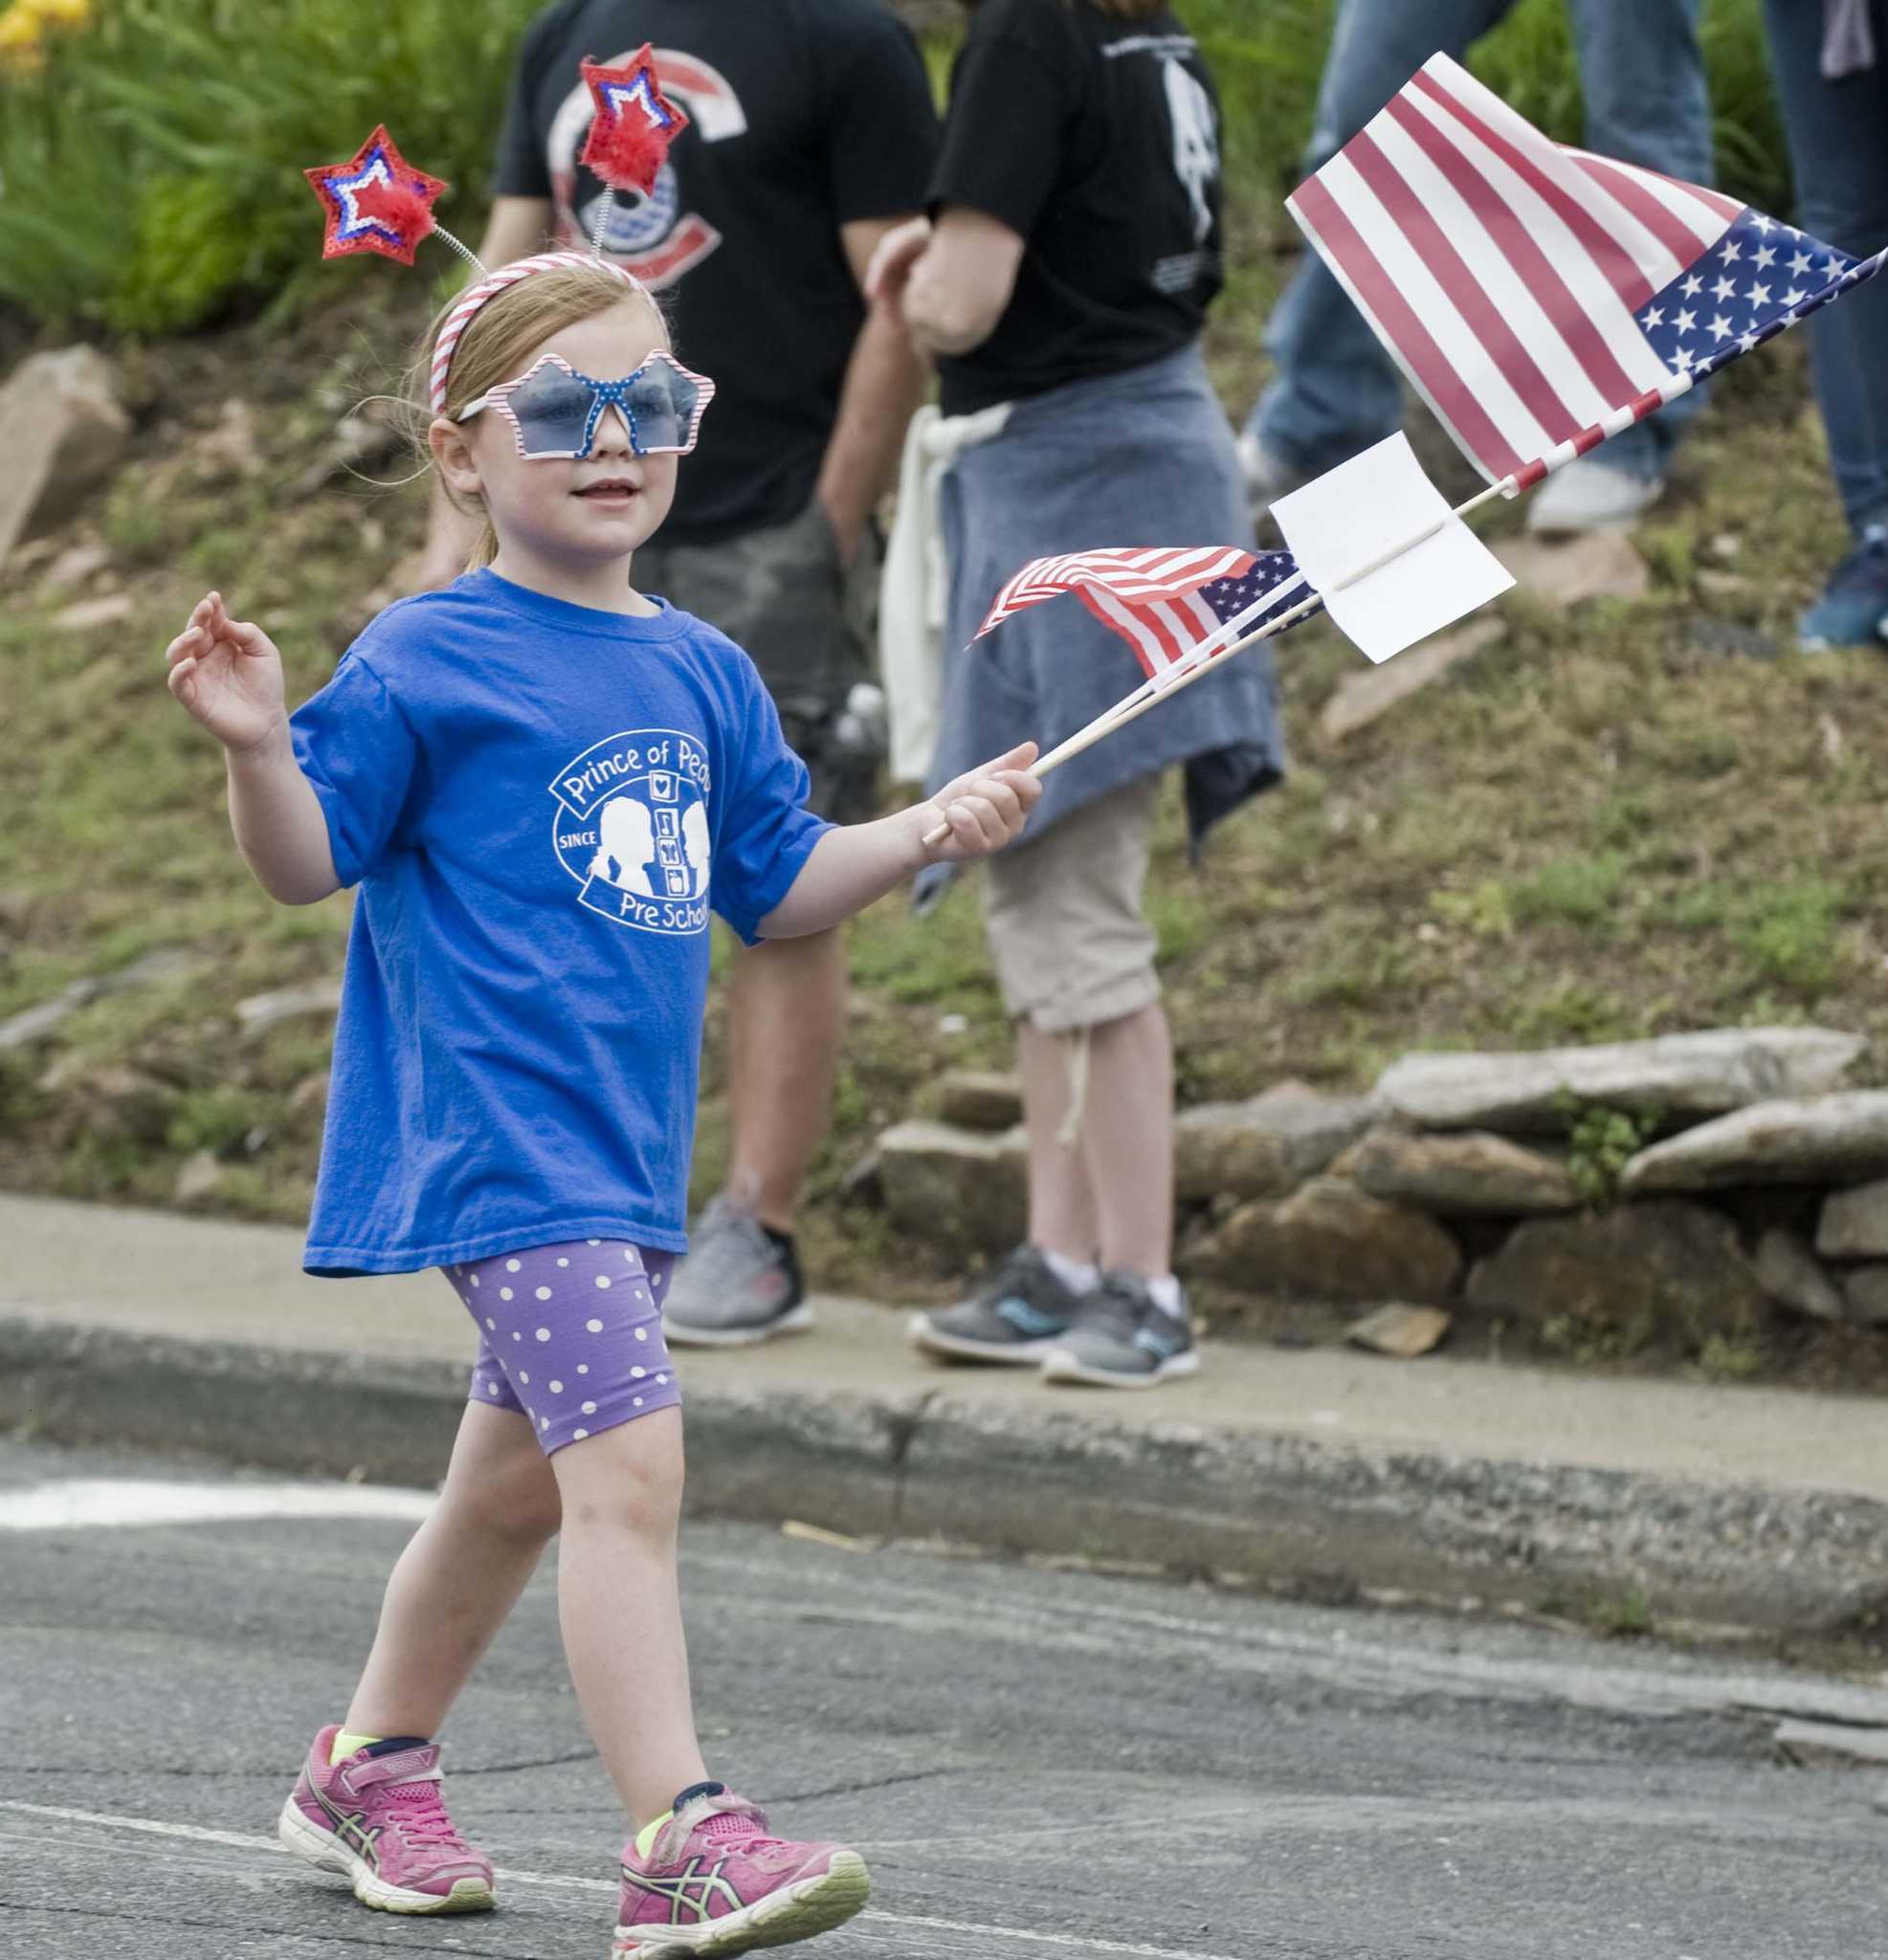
x=982, y=809
x=228, y=673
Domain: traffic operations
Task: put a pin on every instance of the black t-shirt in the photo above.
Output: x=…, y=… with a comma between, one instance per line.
x=1097, y=141
x=804, y=116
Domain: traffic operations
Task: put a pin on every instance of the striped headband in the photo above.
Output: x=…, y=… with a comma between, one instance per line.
x=462, y=316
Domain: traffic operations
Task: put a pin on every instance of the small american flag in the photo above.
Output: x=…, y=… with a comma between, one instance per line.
x=1168, y=635
x=1133, y=574
x=1541, y=298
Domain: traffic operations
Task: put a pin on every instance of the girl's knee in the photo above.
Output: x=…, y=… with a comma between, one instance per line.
x=629, y=1477
x=517, y=1499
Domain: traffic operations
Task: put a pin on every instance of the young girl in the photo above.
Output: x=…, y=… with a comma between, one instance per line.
x=542, y=782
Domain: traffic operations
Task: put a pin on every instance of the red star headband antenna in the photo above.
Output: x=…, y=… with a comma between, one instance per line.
x=378, y=202
x=631, y=131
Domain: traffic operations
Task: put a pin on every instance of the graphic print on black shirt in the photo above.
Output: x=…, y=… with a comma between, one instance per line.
x=1096, y=141
x=805, y=115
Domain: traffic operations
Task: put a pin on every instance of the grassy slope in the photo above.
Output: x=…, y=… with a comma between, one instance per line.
x=1617, y=822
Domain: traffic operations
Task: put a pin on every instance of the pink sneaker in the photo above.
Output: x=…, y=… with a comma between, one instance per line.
x=381, y=1822
x=714, y=1882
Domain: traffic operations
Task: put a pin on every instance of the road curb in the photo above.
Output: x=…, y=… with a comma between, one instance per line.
x=1280, y=1510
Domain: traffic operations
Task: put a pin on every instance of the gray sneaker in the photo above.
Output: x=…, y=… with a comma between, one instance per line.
x=1120, y=1339
x=1018, y=1313
x=737, y=1286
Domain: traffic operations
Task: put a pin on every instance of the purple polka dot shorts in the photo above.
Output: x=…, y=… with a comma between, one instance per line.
x=570, y=1336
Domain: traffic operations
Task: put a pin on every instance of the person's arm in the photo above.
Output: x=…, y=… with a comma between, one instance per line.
x=853, y=865
x=228, y=673
x=951, y=281
x=517, y=228
x=885, y=384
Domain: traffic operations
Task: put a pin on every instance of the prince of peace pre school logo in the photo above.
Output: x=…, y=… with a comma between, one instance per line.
x=631, y=828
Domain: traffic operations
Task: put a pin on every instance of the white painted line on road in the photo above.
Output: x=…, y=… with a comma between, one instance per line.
x=559, y=1881
x=87, y=1501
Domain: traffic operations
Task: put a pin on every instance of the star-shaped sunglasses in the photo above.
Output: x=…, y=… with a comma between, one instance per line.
x=554, y=411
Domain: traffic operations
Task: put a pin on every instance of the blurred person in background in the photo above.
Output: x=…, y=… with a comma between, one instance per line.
x=1338, y=391
x=812, y=134
x=1834, y=84
x=1060, y=282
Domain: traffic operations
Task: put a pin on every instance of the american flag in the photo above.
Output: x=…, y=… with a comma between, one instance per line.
x=1134, y=574
x=1168, y=635
x=1540, y=298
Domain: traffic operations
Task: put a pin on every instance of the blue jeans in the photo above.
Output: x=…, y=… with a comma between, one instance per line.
x=1336, y=390
x=1838, y=148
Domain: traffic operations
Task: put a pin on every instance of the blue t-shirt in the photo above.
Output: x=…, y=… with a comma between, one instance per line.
x=541, y=803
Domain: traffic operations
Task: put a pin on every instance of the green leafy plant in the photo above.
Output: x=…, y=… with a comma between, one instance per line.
x=1601, y=1142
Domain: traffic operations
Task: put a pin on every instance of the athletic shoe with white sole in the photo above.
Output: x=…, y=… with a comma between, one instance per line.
x=1020, y=1312
x=1853, y=610
x=738, y=1286
x=1121, y=1339
x=381, y=1822
x=1588, y=495
x=712, y=1882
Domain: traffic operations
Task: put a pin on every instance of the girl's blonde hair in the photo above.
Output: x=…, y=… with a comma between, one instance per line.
x=494, y=343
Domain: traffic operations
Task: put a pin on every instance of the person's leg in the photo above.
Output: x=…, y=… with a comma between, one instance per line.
x=1127, y=1140
x=1838, y=146
x=460, y=1576
x=607, y=1407
x=619, y=1607
x=1336, y=390
x=368, y=1803
x=782, y=595
x=1648, y=102
x=1063, y=1212
x=785, y=1027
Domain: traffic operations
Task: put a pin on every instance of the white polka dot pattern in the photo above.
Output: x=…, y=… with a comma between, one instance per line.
x=609, y=1336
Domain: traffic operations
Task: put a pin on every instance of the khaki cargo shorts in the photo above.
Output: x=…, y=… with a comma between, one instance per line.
x=806, y=621
x=1071, y=946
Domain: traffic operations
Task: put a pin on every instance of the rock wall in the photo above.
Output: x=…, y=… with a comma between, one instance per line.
x=1669, y=1191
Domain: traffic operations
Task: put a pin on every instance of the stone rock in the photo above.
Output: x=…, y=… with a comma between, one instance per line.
x=1855, y=1223
x=161, y=963
x=264, y=1009
x=1866, y=1292
x=106, y=610
x=978, y=1099
x=956, y=1186
x=1336, y=1243
x=62, y=433
x=1788, y=1272
x=1682, y=1074
x=1266, y=1147
x=110, y=1102
x=1362, y=697
x=1632, y=1273
x=1468, y=1174
x=231, y=444
x=311, y=1092
x=199, y=1177
x=77, y=563
x=35, y=1022
x=1563, y=571
x=1401, y=1331
x=1809, y=1139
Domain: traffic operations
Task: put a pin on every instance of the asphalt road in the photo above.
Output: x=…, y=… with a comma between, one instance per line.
x=1043, y=1765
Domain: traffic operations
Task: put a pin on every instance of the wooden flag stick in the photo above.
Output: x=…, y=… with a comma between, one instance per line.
x=1151, y=693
